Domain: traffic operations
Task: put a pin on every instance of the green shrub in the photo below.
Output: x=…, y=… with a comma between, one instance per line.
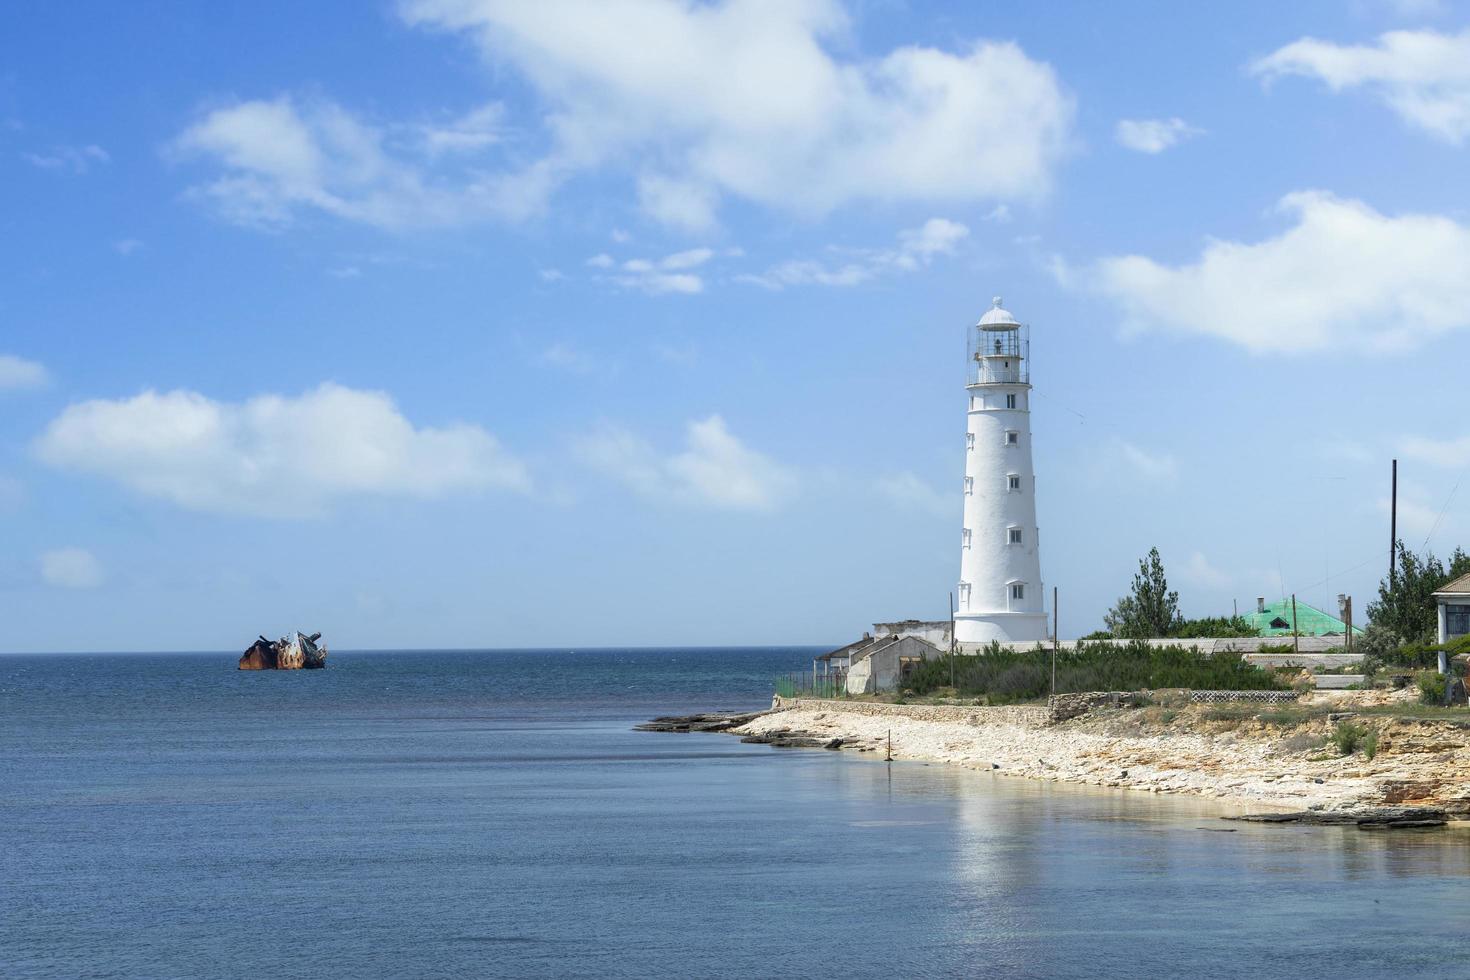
x=1213, y=627
x=1004, y=676
x=1370, y=744
x=1431, y=686
x=1277, y=648
x=1348, y=736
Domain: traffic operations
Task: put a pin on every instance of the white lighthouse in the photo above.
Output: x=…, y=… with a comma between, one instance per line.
x=1000, y=593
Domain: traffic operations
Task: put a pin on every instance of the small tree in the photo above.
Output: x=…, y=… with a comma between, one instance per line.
x=1405, y=603
x=1150, y=609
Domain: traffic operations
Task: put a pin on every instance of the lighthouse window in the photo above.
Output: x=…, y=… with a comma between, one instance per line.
x=1013, y=481
x=969, y=485
x=1010, y=401
x=1015, y=535
x=1018, y=591
x=969, y=440
x=965, y=538
x=1013, y=438
x=965, y=594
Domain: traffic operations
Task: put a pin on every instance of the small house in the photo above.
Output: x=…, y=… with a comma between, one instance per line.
x=1278, y=619
x=1453, y=601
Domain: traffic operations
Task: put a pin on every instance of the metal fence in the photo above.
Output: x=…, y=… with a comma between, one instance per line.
x=803, y=683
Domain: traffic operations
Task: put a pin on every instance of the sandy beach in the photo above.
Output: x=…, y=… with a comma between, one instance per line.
x=1198, y=750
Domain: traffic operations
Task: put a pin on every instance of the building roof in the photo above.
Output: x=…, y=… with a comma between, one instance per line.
x=1310, y=621
x=998, y=318
x=846, y=651
x=1460, y=586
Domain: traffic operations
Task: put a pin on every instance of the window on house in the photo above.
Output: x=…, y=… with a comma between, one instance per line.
x=1280, y=624
x=1018, y=590
x=1010, y=401
x=1013, y=481
x=969, y=440
x=965, y=538
x=1015, y=535
x=969, y=485
x=1456, y=621
x=1013, y=438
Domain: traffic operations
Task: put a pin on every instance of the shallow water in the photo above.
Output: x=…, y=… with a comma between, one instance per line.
x=492, y=814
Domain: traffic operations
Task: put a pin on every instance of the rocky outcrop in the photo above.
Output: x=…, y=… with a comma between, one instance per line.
x=1370, y=818
x=786, y=738
x=708, y=722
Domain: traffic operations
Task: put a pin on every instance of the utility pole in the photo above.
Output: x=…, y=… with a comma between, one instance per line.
x=1393, y=524
x=1295, y=646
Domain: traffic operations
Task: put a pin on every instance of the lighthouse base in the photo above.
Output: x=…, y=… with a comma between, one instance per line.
x=981, y=629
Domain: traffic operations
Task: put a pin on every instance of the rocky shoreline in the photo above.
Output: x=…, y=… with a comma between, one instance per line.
x=1275, y=770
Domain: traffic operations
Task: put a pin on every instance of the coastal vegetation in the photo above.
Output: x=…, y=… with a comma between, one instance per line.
x=1405, y=607
x=1003, y=676
x=1151, y=609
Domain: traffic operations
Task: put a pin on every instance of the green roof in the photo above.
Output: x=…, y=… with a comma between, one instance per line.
x=1310, y=621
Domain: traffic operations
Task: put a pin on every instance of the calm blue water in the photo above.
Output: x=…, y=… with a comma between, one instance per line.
x=492, y=815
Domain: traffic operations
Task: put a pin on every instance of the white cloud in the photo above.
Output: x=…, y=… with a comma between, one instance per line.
x=1199, y=572
x=273, y=455
x=1417, y=520
x=916, y=248
x=77, y=159
x=127, y=246
x=747, y=98
x=345, y=272
x=908, y=490
x=1422, y=76
x=715, y=469
x=282, y=157
x=1438, y=452
x=17, y=373
x=71, y=568
x=470, y=133
x=1139, y=462
x=670, y=274
x=1342, y=277
x=1153, y=135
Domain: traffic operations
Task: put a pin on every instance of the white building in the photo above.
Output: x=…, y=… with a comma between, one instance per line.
x=1453, y=601
x=1000, y=592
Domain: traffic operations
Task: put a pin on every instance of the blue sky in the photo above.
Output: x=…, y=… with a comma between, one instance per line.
x=470, y=324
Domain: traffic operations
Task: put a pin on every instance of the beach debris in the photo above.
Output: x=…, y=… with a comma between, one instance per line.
x=1370, y=818
x=293, y=652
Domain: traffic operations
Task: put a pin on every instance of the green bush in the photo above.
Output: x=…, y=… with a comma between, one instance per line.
x=1276, y=648
x=1431, y=686
x=1213, y=627
x=1370, y=744
x=1004, y=676
x=1348, y=736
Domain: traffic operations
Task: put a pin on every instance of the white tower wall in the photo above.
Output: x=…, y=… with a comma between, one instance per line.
x=1000, y=500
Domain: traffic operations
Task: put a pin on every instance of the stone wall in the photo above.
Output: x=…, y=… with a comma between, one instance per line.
x=1060, y=707
x=1026, y=716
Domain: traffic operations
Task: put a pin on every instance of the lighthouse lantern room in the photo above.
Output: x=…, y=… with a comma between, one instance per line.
x=1000, y=595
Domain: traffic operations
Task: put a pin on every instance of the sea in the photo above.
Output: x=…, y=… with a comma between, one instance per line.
x=493, y=814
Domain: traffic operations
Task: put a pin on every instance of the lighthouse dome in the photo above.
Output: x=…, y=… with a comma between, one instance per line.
x=998, y=318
